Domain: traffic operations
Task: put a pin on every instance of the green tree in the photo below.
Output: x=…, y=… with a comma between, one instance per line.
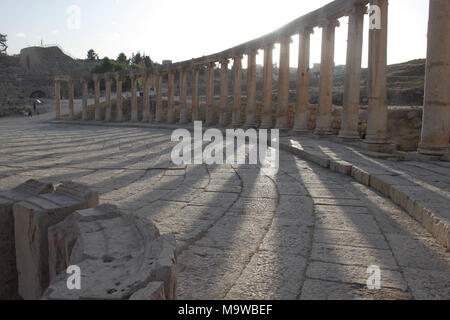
x=122, y=59
x=137, y=58
x=91, y=55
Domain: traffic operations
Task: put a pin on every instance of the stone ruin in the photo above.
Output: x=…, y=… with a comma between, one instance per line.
x=43, y=231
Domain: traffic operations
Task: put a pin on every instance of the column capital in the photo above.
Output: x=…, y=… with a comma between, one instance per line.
x=237, y=57
x=329, y=23
x=269, y=46
x=306, y=31
x=285, y=39
x=95, y=77
x=224, y=61
x=357, y=9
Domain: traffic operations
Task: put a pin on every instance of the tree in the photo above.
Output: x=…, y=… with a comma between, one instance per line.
x=136, y=58
x=3, y=45
x=122, y=59
x=91, y=55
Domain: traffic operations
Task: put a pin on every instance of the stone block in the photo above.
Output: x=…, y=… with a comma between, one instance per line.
x=360, y=175
x=340, y=166
x=8, y=274
x=120, y=257
x=32, y=218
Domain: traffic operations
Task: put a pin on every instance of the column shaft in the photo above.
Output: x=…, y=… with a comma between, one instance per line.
x=250, y=110
x=194, y=98
x=301, y=111
x=84, y=111
x=108, y=109
x=58, y=98
x=237, y=92
x=183, y=97
x=171, y=97
x=119, y=109
x=283, y=86
x=352, y=85
x=436, y=117
x=159, y=100
x=210, y=112
x=134, y=106
x=224, y=112
x=146, y=98
x=71, y=96
x=97, y=99
x=324, y=114
x=376, y=82
x=266, y=118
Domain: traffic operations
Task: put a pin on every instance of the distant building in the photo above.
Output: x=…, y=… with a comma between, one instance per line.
x=166, y=62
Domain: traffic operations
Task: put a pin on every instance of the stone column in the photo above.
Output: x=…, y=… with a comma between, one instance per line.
x=283, y=86
x=436, y=117
x=376, y=81
x=159, y=100
x=224, y=113
x=352, y=84
x=97, y=98
x=194, y=98
x=71, y=94
x=134, y=106
x=108, y=108
x=266, y=118
x=250, y=110
x=210, y=112
x=237, y=91
x=84, y=112
x=324, y=113
x=58, y=98
x=171, y=97
x=146, y=98
x=183, y=97
x=301, y=110
x=119, y=110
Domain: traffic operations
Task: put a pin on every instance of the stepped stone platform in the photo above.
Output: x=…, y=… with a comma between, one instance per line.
x=120, y=256
x=8, y=274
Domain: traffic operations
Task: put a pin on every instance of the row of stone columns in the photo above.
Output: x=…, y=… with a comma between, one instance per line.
x=377, y=94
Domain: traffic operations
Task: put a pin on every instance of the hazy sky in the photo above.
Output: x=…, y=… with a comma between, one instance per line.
x=183, y=29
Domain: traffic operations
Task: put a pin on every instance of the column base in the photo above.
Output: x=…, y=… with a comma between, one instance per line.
x=266, y=122
x=381, y=147
x=323, y=132
x=349, y=135
x=282, y=123
x=434, y=149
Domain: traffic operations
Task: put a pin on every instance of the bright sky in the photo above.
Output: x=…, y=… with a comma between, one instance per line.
x=179, y=29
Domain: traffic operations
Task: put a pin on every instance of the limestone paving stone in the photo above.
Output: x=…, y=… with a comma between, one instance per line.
x=354, y=274
x=419, y=252
x=120, y=257
x=293, y=207
x=314, y=289
x=8, y=274
x=356, y=256
x=359, y=223
x=270, y=276
x=350, y=238
x=32, y=218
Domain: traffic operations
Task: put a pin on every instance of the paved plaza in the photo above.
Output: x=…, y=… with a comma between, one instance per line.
x=306, y=233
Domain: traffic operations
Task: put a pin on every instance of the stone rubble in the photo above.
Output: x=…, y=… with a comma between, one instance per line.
x=120, y=256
